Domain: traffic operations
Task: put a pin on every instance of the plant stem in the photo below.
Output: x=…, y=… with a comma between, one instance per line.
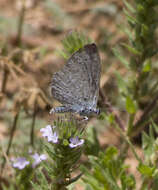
x=5, y=79
x=111, y=110
x=123, y=150
x=147, y=112
x=129, y=143
x=130, y=124
x=20, y=24
x=13, y=129
x=33, y=124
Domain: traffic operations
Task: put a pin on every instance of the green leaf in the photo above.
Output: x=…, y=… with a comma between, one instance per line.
x=62, y=54
x=129, y=6
x=147, y=66
x=140, y=8
x=131, y=49
x=110, y=118
x=121, y=83
x=111, y=152
x=151, y=133
x=126, y=30
x=128, y=182
x=120, y=57
x=129, y=17
x=146, y=170
x=145, y=30
x=147, y=145
x=102, y=116
x=130, y=105
x=92, y=181
x=155, y=126
x=145, y=140
x=65, y=142
x=74, y=41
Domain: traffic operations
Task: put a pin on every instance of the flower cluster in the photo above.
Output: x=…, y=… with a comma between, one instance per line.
x=21, y=162
x=54, y=137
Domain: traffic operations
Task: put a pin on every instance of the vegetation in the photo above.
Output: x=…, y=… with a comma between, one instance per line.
x=58, y=152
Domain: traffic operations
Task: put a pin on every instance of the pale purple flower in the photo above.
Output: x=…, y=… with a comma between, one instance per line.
x=74, y=142
x=38, y=158
x=20, y=163
x=51, y=136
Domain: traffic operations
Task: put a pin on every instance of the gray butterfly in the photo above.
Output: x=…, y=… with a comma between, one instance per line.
x=76, y=85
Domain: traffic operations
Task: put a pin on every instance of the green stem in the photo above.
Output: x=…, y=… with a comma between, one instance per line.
x=129, y=143
x=145, y=116
x=123, y=150
x=111, y=110
x=130, y=124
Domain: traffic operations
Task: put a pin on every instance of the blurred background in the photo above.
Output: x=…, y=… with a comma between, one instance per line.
x=31, y=32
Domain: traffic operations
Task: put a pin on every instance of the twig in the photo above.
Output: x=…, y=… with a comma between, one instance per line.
x=144, y=116
x=13, y=129
x=5, y=79
x=33, y=124
x=20, y=23
x=111, y=110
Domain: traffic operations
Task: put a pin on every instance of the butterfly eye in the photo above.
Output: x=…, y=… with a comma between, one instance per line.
x=82, y=111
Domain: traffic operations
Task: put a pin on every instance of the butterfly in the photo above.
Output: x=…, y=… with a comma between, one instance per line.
x=76, y=85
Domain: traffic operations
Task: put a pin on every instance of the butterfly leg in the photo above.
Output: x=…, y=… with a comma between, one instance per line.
x=60, y=109
x=85, y=118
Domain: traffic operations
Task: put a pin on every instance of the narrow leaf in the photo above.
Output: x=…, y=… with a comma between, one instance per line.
x=131, y=49
x=126, y=30
x=147, y=66
x=129, y=6
x=130, y=105
x=121, y=58
x=129, y=17
x=121, y=83
x=155, y=126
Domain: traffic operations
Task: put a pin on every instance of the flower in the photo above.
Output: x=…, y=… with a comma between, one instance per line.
x=74, y=142
x=38, y=158
x=47, y=132
x=20, y=163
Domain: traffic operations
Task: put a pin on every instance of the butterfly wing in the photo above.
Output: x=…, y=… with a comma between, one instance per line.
x=94, y=68
x=78, y=81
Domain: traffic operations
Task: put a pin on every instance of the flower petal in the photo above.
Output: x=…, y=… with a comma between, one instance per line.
x=20, y=163
x=74, y=142
x=51, y=136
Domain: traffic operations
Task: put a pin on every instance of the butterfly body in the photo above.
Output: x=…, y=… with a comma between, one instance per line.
x=76, y=85
x=85, y=110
